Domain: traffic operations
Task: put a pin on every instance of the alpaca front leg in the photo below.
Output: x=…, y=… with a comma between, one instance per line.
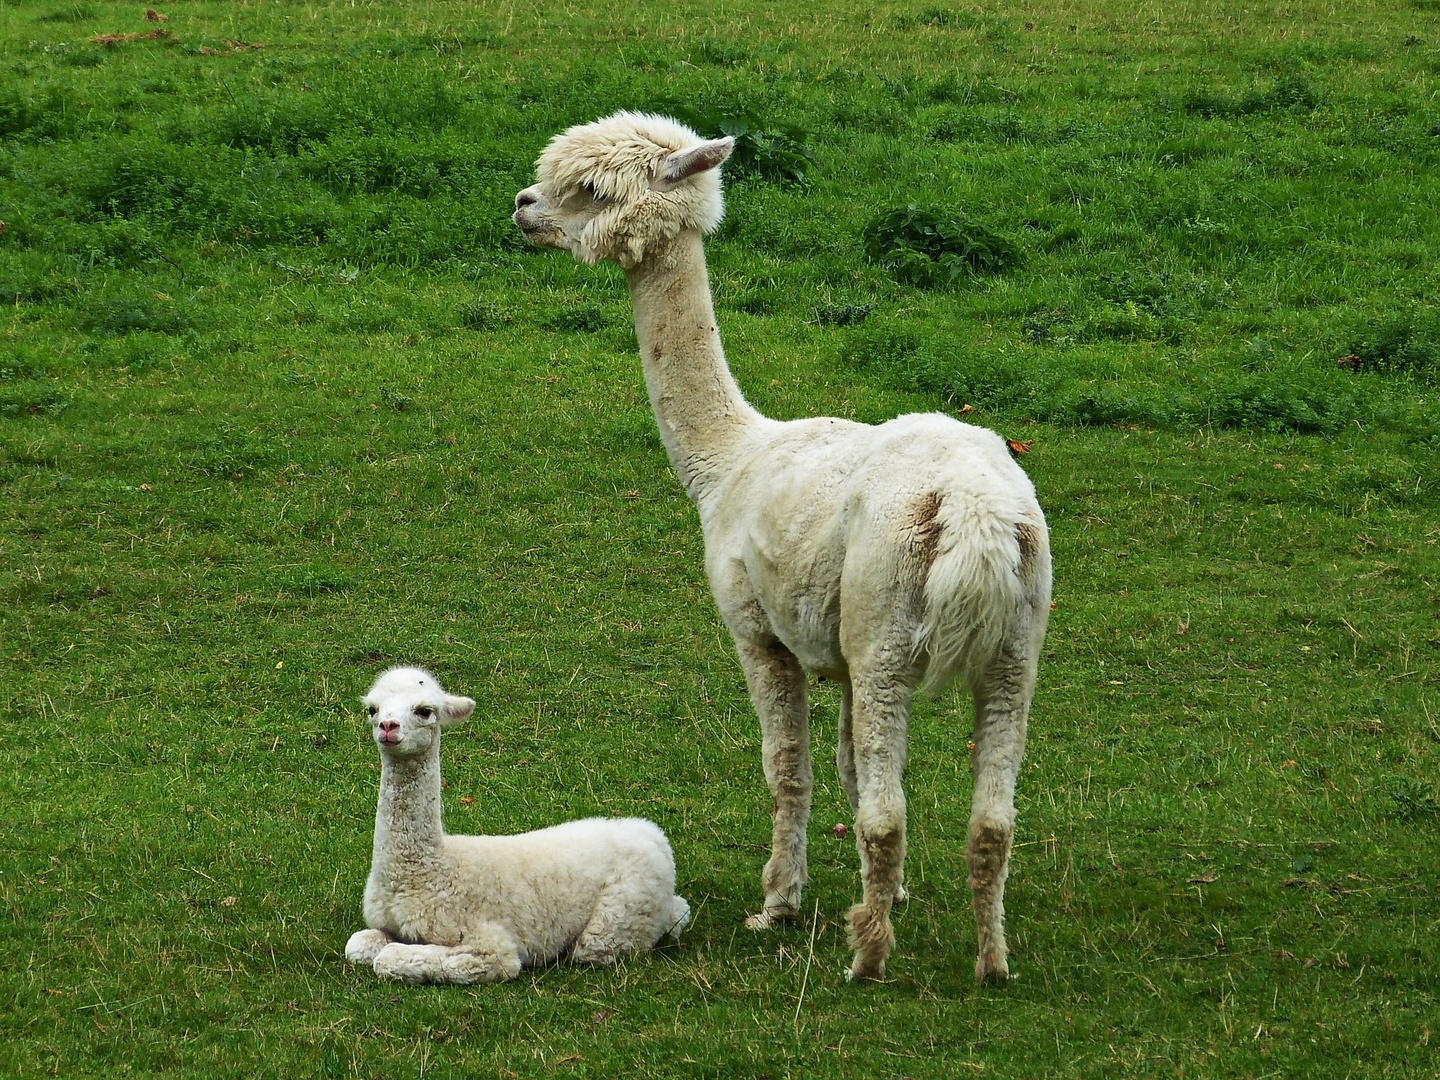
x=489, y=954
x=777, y=689
x=1000, y=720
x=365, y=945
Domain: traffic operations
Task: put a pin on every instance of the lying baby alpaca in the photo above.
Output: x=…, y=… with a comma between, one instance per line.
x=468, y=909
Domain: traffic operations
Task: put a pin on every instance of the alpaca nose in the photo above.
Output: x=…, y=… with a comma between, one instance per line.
x=389, y=727
x=526, y=198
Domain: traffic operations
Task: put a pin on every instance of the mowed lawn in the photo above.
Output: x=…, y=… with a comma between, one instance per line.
x=285, y=399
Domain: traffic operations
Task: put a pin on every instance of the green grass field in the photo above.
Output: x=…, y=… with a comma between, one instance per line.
x=284, y=398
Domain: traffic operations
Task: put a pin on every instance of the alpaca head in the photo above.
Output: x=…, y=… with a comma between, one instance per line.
x=408, y=708
x=615, y=188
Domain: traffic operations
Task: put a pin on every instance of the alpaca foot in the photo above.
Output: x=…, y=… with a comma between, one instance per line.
x=992, y=968
x=872, y=937
x=861, y=969
x=364, y=946
x=763, y=920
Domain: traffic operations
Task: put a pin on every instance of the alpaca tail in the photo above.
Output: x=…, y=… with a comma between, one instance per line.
x=988, y=586
x=677, y=918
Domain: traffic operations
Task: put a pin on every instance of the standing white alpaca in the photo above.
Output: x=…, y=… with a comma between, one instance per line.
x=882, y=558
x=468, y=909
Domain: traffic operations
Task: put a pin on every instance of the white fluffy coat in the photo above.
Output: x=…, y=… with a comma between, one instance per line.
x=467, y=909
x=882, y=557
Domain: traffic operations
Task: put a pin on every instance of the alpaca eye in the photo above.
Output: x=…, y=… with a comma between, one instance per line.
x=583, y=196
x=424, y=712
x=372, y=710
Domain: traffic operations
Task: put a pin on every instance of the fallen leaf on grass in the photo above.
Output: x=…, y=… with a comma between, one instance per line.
x=1017, y=447
x=965, y=410
x=151, y=15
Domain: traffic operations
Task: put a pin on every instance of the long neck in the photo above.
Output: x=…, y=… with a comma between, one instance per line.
x=407, y=822
x=698, y=407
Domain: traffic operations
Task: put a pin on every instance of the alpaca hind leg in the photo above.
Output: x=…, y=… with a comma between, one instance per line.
x=881, y=714
x=631, y=915
x=365, y=945
x=1002, y=702
x=845, y=765
x=613, y=932
x=777, y=689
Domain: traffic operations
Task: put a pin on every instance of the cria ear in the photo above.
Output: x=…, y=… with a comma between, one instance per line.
x=455, y=709
x=683, y=164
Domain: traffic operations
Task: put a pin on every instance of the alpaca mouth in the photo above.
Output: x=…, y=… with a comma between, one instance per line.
x=538, y=233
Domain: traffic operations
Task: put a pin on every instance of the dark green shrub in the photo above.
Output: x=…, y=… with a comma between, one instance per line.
x=961, y=125
x=584, y=318
x=351, y=163
x=480, y=315
x=769, y=150
x=923, y=248
x=1102, y=407
x=1409, y=344
x=841, y=314
x=1273, y=401
x=1161, y=293
x=27, y=397
x=1413, y=798
x=116, y=315
x=70, y=13
x=279, y=126
x=82, y=58
x=33, y=279
x=884, y=346
x=17, y=114
x=1290, y=92
x=721, y=53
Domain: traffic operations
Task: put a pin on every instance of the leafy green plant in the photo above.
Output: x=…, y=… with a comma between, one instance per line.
x=1290, y=92
x=1412, y=798
x=765, y=149
x=829, y=314
x=116, y=315
x=1270, y=401
x=924, y=248
x=581, y=318
x=69, y=13
x=1409, y=343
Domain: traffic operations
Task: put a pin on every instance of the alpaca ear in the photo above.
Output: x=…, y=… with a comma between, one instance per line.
x=455, y=709
x=683, y=164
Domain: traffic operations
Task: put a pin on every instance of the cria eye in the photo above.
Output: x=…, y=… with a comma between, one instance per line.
x=372, y=710
x=424, y=712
